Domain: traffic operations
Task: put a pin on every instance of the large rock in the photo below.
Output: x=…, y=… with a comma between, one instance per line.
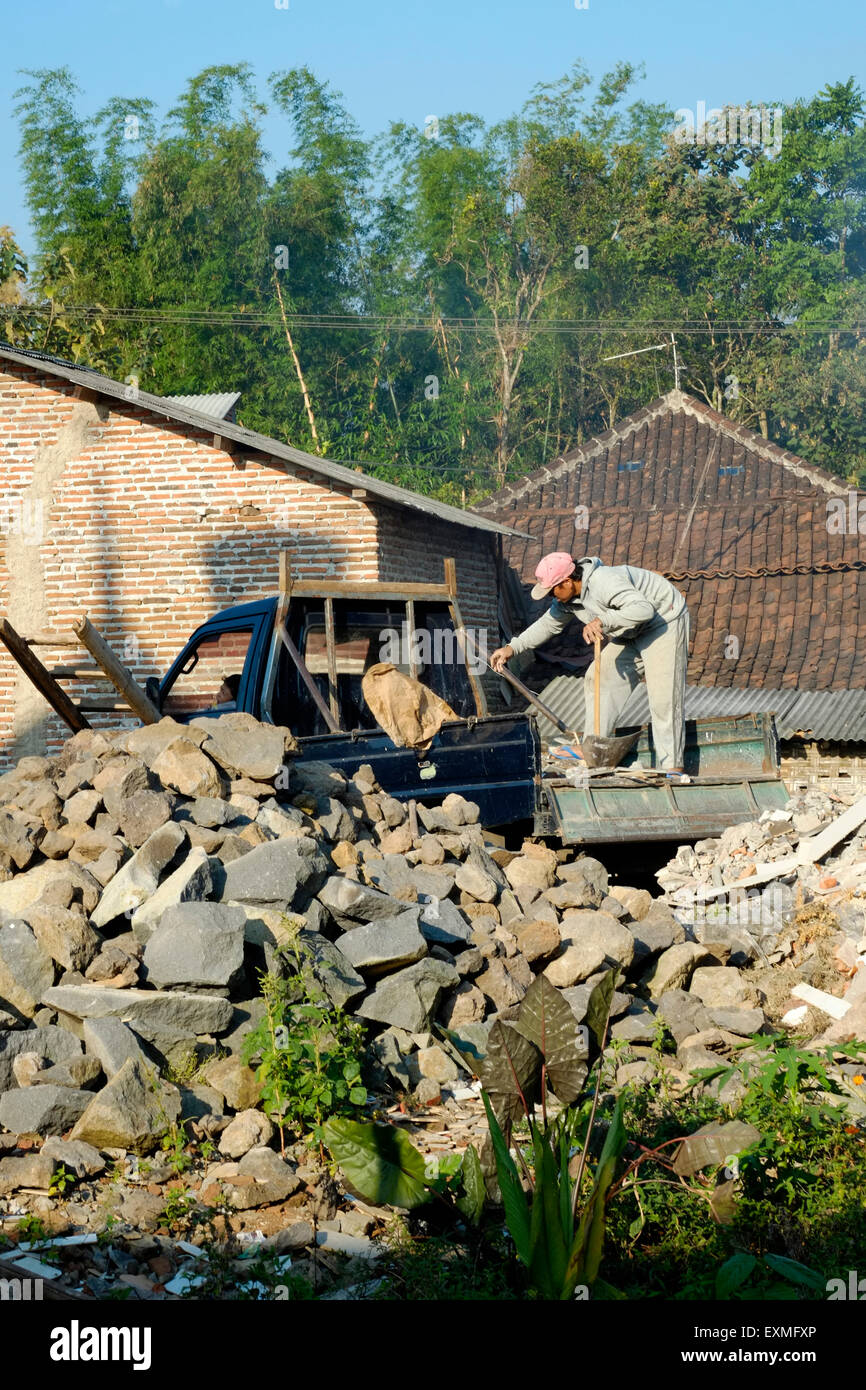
x=636, y=901
x=134, y=1111
x=590, y=874
x=197, y=944
x=42, y=1109
x=538, y=940
x=20, y=837
x=277, y=872
x=138, y=879
x=246, y=1131
x=335, y=973
x=156, y=1016
x=26, y=970
x=235, y=1082
x=33, y=1170
x=273, y=1180
x=350, y=902
x=576, y=961
x=245, y=748
x=112, y=1043
x=77, y=1157
x=23, y=890
x=674, y=968
x=409, y=998
x=465, y=1005
x=722, y=987
x=81, y=1073
x=501, y=984
x=600, y=930
x=530, y=871
x=442, y=923
x=186, y=769
x=683, y=1014
x=54, y=1044
x=150, y=740
x=191, y=882
x=474, y=881
x=378, y=948
x=64, y=934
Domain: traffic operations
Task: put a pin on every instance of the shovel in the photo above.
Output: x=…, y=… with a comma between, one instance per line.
x=597, y=751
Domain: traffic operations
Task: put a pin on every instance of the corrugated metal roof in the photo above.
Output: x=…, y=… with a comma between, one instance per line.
x=347, y=474
x=216, y=403
x=837, y=716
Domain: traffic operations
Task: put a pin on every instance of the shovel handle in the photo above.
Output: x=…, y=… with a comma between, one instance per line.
x=597, y=684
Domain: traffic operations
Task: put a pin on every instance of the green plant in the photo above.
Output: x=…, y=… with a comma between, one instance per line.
x=32, y=1229
x=62, y=1180
x=174, y=1145
x=106, y=1235
x=309, y=1051
x=178, y=1208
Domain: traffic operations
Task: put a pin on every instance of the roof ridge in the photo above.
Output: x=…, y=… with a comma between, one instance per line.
x=672, y=401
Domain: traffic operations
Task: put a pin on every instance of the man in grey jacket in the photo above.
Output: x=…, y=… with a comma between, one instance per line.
x=646, y=622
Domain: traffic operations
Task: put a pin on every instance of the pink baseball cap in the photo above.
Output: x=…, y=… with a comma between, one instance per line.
x=550, y=571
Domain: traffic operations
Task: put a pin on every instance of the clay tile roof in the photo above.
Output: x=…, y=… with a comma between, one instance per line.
x=765, y=546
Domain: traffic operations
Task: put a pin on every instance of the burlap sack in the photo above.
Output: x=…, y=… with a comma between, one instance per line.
x=409, y=713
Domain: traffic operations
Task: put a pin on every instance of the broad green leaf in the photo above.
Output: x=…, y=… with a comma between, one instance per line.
x=379, y=1162
x=549, y=1250
x=471, y=1203
x=548, y=1022
x=734, y=1273
x=513, y=1196
x=598, y=1008
x=585, y=1256
x=797, y=1273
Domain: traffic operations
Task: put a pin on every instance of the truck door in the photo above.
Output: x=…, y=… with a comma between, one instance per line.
x=220, y=668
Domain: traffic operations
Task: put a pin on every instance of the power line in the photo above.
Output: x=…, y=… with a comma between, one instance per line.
x=235, y=319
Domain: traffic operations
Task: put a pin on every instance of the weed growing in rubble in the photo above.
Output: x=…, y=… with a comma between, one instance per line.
x=309, y=1052
x=790, y=1214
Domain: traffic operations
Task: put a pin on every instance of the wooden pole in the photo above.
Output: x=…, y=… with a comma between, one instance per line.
x=121, y=678
x=457, y=619
x=410, y=637
x=309, y=682
x=597, y=687
x=333, y=695
x=42, y=678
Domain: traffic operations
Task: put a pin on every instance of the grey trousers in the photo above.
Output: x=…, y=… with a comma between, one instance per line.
x=660, y=655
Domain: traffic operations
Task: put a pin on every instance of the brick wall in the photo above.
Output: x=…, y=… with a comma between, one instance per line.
x=143, y=523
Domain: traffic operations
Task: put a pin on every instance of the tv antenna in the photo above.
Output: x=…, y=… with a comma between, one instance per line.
x=656, y=347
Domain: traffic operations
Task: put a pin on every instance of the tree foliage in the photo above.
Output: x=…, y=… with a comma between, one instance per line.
x=438, y=303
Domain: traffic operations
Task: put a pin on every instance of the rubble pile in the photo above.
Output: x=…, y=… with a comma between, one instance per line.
x=149, y=877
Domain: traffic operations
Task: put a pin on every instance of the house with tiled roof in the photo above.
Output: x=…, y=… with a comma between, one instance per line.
x=769, y=551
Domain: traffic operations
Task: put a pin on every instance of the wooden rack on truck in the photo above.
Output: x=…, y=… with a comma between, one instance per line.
x=407, y=594
x=129, y=698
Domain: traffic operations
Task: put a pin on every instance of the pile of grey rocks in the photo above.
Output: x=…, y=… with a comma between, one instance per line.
x=149, y=877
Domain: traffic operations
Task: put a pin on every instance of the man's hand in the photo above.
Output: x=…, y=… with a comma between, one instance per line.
x=593, y=630
x=499, y=657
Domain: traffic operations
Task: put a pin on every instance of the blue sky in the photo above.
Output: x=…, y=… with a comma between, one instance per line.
x=408, y=59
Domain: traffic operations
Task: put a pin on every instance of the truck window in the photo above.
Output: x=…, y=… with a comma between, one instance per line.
x=211, y=676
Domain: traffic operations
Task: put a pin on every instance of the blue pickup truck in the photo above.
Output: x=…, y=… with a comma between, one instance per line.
x=297, y=659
